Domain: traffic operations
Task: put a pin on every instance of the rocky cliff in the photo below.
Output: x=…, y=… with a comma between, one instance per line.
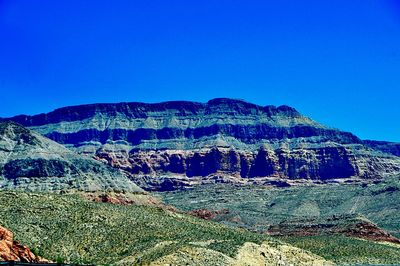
x=32, y=162
x=13, y=250
x=165, y=143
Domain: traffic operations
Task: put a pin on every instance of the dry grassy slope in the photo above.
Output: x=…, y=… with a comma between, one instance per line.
x=68, y=228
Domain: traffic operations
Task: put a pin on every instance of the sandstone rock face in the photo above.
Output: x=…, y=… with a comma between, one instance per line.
x=165, y=143
x=11, y=250
x=31, y=162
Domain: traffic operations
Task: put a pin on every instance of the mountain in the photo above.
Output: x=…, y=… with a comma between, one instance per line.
x=31, y=162
x=175, y=144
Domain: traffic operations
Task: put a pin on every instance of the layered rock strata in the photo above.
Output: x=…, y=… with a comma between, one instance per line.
x=163, y=144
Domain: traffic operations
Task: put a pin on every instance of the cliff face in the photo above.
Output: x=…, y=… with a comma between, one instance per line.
x=221, y=137
x=322, y=163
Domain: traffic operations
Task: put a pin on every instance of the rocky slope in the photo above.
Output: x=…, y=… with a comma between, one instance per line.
x=173, y=144
x=31, y=162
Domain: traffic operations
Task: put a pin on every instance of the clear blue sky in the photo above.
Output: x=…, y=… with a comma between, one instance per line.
x=335, y=61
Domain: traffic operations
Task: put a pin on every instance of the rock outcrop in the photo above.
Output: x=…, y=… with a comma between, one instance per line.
x=223, y=137
x=206, y=214
x=12, y=250
x=31, y=162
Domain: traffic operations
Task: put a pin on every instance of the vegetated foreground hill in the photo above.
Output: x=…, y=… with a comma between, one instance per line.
x=168, y=145
x=67, y=228
x=31, y=162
